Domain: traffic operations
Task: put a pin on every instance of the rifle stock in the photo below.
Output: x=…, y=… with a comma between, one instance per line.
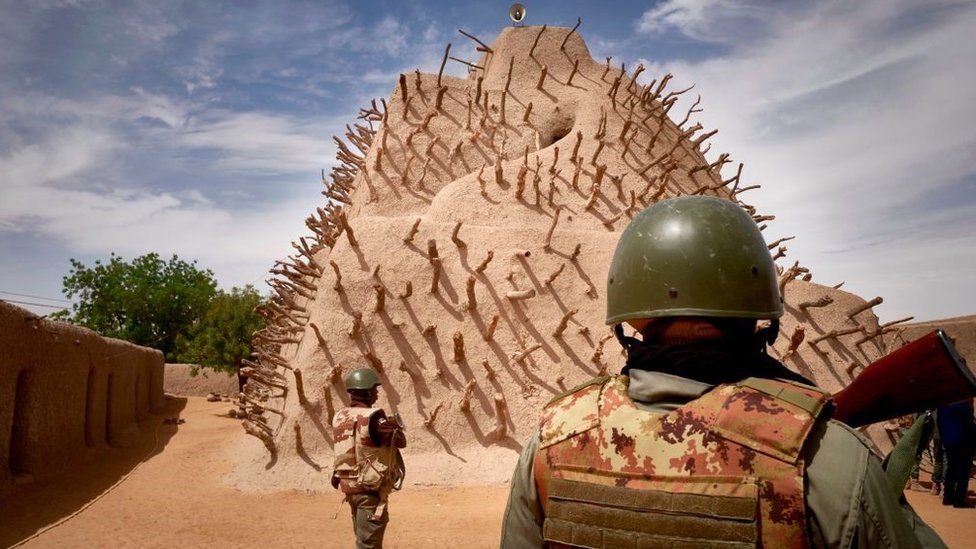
x=923, y=375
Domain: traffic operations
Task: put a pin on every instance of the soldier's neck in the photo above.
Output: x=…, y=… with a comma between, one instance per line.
x=660, y=392
x=355, y=403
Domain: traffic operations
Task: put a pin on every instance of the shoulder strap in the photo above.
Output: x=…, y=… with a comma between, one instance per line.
x=571, y=413
x=595, y=381
x=769, y=416
x=808, y=399
x=361, y=415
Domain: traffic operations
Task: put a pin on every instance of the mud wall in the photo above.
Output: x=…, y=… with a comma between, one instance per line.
x=961, y=329
x=66, y=391
x=180, y=381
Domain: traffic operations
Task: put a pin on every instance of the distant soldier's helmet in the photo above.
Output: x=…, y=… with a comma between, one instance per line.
x=361, y=378
x=692, y=256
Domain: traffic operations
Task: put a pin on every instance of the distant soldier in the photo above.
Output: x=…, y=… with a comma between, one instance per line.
x=367, y=458
x=938, y=459
x=957, y=429
x=928, y=432
x=704, y=440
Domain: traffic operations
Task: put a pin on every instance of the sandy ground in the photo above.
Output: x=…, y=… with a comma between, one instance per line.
x=956, y=526
x=177, y=499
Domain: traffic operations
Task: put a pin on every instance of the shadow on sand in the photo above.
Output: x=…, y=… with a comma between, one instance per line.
x=29, y=508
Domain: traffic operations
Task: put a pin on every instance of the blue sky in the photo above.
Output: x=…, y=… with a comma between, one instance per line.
x=200, y=128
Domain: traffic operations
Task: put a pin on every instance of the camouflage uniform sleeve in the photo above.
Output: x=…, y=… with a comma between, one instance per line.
x=850, y=501
x=522, y=526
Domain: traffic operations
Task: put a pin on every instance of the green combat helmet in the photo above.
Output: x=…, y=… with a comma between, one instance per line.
x=692, y=256
x=361, y=378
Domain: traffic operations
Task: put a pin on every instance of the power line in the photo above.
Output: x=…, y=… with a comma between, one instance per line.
x=34, y=304
x=35, y=296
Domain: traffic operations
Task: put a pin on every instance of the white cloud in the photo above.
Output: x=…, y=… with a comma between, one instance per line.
x=850, y=116
x=267, y=143
x=201, y=77
x=717, y=21
x=49, y=164
x=67, y=185
x=258, y=142
x=688, y=16
x=390, y=35
x=148, y=22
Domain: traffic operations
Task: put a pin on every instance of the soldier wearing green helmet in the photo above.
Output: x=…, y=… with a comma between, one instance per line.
x=361, y=379
x=692, y=256
x=703, y=439
x=368, y=465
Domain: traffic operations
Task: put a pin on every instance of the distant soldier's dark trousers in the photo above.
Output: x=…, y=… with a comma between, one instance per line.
x=369, y=531
x=928, y=429
x=938, y=460
x=959, y=459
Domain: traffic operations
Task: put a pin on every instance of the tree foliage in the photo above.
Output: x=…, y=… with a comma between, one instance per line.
x=147, y=301
x=220, y=340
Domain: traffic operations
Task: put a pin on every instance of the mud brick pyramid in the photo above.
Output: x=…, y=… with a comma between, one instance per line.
x=463, y=254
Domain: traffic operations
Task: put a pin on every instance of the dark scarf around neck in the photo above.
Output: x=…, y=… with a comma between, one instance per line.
x=711, y=362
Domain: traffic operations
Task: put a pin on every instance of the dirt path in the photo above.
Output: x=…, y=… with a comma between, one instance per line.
x=957, y=527
x=176, y=499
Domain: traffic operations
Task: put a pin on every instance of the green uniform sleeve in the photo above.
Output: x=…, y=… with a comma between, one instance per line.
x=522, y=525
x=851, y=502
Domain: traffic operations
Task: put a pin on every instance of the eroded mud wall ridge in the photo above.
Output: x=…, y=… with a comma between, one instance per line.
x=66, y=391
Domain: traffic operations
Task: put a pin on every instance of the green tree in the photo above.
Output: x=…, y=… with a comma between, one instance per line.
x=148, y=301
x=220, y=340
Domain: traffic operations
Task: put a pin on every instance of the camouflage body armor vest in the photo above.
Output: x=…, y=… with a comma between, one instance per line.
x=725, y=470
x=359, y=465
